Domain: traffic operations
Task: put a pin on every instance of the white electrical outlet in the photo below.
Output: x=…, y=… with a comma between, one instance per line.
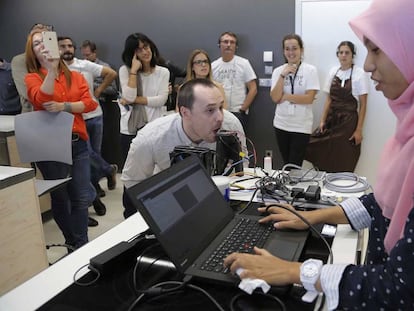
x=265, y=82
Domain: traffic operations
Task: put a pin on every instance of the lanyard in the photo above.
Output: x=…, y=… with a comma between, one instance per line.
x=292, y=79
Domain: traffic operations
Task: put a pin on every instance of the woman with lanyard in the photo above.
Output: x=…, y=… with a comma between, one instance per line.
x=294, y=87
x=335, y=145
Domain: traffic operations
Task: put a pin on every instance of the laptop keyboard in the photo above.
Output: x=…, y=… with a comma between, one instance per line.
x=245, y=235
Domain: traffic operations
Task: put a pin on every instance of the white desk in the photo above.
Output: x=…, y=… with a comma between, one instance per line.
x=47, y=284
x=59, y=276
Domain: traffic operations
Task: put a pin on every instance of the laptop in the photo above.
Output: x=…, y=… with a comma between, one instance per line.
x=190, y=218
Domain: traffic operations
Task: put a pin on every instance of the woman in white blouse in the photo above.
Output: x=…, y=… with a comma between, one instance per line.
x=144, y=87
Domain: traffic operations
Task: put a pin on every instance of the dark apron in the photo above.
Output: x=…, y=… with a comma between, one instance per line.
x=332, y=151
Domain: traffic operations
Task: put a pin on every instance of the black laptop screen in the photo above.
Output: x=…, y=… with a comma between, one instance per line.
x=180, y=196
x=184, y=209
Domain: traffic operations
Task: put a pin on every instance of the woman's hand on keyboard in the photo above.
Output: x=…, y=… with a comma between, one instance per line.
x=284, y=216
x=263, y=265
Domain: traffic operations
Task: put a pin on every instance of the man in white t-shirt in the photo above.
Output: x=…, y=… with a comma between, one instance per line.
x=237, y=77
x=94, y=121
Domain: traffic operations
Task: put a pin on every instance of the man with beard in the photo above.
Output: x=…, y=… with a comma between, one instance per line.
x=236, y=75
x=201, y=116
x=94, y=123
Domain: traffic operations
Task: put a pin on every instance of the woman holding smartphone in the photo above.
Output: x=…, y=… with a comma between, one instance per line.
x=53, y=87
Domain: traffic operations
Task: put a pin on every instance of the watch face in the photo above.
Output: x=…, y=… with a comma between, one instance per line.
x=310, y=270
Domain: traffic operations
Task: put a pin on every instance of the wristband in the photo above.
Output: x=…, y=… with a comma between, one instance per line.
x=134, y=74
x=67, y=107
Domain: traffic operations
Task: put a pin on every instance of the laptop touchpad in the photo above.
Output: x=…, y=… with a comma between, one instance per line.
x=283, y=249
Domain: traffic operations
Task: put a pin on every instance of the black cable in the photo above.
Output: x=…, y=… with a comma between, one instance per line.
x=135, y=270
x=250, y=201
x=155, y=290
x=98, y=275
x=238, y=296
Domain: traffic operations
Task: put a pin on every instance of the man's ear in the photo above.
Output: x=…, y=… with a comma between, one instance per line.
x=184, y=112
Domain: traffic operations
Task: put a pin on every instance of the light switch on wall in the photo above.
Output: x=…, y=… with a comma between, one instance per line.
x=268, y=70
x=267, y=56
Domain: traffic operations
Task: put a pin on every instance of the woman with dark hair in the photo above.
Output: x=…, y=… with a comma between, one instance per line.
x=144, y=87
x=335, y=145
x=294, y=87
x=53, y=87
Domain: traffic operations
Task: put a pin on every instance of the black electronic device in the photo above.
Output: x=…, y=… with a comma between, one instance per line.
x=228, y=148
x=205, y=155
x=313, y=193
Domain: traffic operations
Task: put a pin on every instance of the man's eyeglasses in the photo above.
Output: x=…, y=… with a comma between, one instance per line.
x=228, y=42
x=201, y=62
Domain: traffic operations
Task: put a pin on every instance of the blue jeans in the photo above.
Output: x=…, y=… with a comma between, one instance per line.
x=70, y=202
x=99, y=167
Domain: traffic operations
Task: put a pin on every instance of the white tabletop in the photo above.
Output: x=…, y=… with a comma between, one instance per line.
x=12, y=175
x=41, y=288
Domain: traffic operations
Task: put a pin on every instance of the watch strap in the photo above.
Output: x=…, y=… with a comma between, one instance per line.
x=311, y=291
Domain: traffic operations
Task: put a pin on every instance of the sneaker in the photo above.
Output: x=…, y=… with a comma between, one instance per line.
x=99, y=191
x=99, y=207
x=112, y=177
x=92, y=222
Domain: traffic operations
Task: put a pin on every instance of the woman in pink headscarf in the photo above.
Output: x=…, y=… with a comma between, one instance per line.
x=386, y=282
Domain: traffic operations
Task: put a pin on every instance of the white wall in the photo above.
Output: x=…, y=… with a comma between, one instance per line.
x=322, y=25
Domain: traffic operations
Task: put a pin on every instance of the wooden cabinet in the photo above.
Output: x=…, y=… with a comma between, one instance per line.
x=22, y=242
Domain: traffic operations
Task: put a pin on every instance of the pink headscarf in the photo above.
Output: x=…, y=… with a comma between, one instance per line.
x=389, y=24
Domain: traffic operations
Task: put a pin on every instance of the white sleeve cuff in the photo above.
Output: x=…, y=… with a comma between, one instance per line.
x=356, y=213
x=330, y=277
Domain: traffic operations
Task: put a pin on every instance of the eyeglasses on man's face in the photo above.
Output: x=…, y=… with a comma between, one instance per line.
x=231, y=42
x=201, y=62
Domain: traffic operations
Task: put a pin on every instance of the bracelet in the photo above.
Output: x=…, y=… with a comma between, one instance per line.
x=134, y=74
x=67, y=107
x=282, y=76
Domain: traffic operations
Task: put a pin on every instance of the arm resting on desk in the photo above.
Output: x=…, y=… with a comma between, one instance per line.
x=284, y=219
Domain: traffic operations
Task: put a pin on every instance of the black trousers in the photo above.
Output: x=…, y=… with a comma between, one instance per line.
x=292, y=146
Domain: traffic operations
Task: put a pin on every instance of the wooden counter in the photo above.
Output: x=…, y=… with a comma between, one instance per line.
x=22, y=242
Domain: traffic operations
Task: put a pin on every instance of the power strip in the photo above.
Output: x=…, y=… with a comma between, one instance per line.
x=107, y=260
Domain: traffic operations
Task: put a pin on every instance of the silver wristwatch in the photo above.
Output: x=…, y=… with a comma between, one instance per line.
x=310, y=271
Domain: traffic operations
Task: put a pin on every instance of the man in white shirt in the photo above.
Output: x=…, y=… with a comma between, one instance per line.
x=200, y=117
x=93, y=119
x=236, y=75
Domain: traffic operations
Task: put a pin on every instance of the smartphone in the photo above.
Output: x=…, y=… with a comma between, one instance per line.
x=51, y=44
